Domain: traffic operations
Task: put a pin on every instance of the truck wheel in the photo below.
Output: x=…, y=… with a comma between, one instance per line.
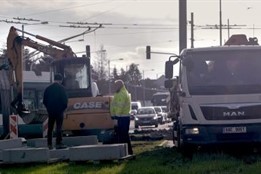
x=179, y=143
x=185, y=149
x=175, y=134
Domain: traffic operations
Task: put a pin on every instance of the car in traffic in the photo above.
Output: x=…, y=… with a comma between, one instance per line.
x=146, y=116
x=161, y=115
x=135, y=105
x=164, y=109
x=133, y=112
x=165, y=112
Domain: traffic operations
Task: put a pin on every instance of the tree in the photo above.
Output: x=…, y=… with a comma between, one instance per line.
x=99, y=71
x=27, y=60
x=133, y=74
x=115, y=74
x=101, y=64
x=123, y=75
x=94, y=74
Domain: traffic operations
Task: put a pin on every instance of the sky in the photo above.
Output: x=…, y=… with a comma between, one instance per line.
x=128, y=26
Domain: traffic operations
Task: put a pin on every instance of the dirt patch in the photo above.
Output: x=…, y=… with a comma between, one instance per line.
x=152, y=134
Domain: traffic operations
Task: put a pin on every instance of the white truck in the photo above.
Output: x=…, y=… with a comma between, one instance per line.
x=216, y=98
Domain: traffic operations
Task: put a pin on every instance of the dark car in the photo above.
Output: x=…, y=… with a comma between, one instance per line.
x=146, y=116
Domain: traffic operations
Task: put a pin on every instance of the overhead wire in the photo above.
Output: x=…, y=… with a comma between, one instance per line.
x=67, y=8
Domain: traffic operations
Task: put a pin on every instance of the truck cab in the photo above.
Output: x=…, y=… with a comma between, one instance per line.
x=219, y=94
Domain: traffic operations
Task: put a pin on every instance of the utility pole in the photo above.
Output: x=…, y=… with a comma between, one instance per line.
x=228, y=29
x=182, y=24
x=192, y=30
x=253, y=30
x=143, y=88
x=220, y=23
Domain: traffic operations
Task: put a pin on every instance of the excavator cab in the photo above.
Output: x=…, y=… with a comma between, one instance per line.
x=76, y=75
x=75, y=70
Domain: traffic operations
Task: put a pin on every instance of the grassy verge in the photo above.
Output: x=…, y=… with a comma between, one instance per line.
x=152, y=159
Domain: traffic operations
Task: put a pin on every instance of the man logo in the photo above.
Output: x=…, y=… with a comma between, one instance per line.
x=233, y=113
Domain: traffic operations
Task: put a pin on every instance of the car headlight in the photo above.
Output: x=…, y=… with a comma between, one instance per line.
x=193, y=131
x=155, y=117
x=136, y=118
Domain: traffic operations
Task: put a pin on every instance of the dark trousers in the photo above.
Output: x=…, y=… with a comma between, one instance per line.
x=123, y=132
x=58, y=119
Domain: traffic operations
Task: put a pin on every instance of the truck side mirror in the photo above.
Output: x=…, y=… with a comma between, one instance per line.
x=169, y=69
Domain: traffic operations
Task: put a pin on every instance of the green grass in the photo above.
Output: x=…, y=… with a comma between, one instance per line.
x=151, y=159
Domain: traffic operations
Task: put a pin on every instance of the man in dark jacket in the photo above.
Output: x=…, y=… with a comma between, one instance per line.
x=55, y=101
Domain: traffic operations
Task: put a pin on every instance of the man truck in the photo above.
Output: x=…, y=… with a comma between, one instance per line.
x=216, y=98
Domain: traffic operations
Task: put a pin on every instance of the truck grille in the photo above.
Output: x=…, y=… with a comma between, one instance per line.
x=226, y=113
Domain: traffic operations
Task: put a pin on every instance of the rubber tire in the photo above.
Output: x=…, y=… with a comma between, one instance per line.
x=185, y=149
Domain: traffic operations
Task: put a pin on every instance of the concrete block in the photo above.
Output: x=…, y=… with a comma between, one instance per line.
x=11, y=143
x=80, y=140
x=61, y=154
x=26, y=155
x=98, y=152
x=38, y=142
x=69, y=141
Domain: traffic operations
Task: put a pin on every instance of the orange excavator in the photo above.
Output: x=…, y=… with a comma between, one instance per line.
x=14, y=53
x=85, y=113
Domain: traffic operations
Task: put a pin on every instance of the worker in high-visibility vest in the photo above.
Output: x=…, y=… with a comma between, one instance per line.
x=120, y=110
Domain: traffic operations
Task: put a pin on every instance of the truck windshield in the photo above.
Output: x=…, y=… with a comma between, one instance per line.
x=224, y=72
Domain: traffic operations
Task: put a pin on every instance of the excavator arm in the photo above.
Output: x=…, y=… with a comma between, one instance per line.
x=15, y=45
x=14, y=54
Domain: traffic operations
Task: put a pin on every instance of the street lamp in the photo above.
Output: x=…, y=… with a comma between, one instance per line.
x=109, y=69
x=144, y=91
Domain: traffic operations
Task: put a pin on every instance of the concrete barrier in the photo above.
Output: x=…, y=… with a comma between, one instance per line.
x=25, y=155
x=98, y=152
x=1, y=156
x=69, y=141
x=59, y=154
x=11, y=143
x=80, y=140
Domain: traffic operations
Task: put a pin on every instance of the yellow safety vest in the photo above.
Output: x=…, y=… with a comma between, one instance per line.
x=121, y=103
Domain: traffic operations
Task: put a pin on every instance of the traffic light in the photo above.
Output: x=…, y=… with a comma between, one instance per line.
x=88, y=51
x=147, y=52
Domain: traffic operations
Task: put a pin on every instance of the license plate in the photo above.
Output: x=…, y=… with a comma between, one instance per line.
x=230, y=130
